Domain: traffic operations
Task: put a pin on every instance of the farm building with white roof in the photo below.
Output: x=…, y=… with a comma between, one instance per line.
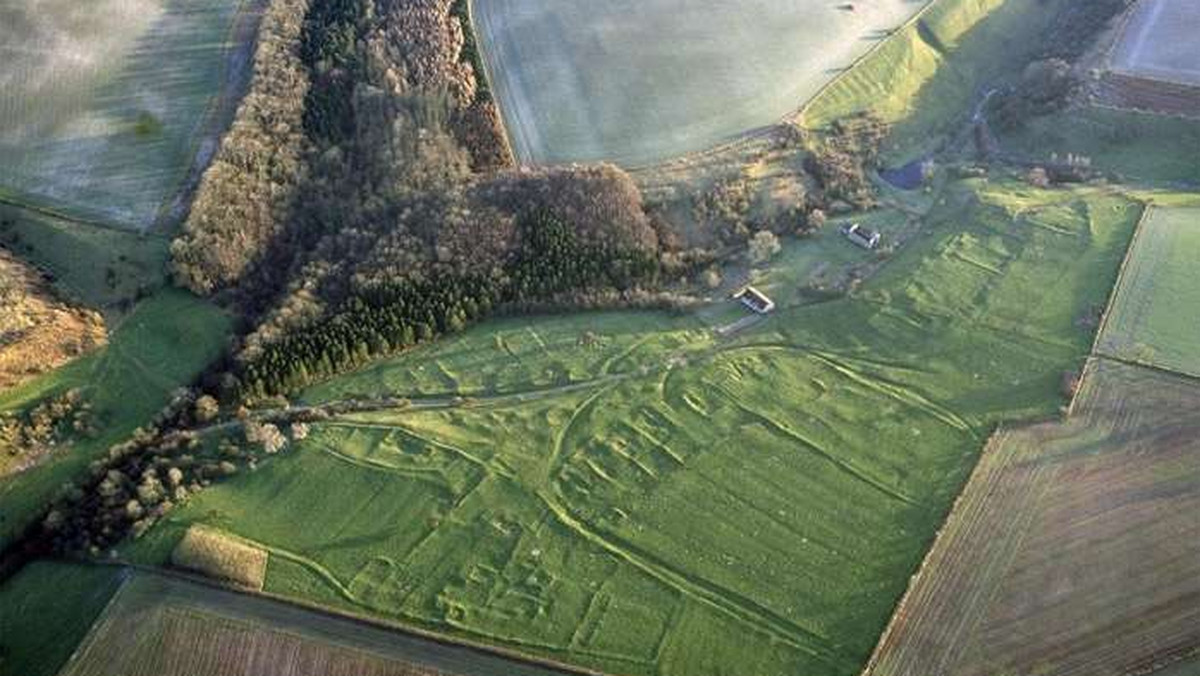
x=755, y=300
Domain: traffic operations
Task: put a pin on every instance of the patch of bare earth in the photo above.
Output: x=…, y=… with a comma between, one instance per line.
x=38, y=330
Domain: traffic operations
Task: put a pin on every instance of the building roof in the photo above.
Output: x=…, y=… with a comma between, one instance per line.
x=861, y=235
x=866, y=233
x=755, y=299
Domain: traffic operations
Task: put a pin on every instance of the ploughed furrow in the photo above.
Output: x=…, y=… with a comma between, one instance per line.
x=1074, y=549
x=936, y=619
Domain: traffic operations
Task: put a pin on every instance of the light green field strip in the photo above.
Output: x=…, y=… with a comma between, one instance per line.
x=1155, y=317
x=641, y=81
x=104, y=100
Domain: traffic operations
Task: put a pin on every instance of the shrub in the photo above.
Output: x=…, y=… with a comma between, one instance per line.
x=763, y=246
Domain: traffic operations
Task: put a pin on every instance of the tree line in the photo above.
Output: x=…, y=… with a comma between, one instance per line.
x=388, y=316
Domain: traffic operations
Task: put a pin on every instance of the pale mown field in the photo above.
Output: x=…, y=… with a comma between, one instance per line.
x=642, y=80
x=1160, y=41
x=104, y=100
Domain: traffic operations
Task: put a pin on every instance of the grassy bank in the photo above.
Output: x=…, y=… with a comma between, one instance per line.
x=102, y=268
x=926, y=77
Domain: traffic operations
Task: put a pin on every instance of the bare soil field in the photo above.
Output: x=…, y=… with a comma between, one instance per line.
x=638, y=82
x=161, y=626
x=38, y=331
x=1073, y=549
x=1159, y=42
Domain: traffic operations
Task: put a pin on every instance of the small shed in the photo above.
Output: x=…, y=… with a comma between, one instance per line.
x=755, y=300
x=864, y=237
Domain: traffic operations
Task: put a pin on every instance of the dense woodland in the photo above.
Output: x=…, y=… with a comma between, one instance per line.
x=365, y=202
x=141, y=479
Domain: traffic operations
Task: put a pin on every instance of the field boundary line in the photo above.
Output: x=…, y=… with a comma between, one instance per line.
x=899, y=613
x=1144, y=111
x=11, y=199
x=1148, y=209
x=1131, y=14
x=102, y=620
x=1161, y=370
x=489, y=82
x=798, y=115
x=494, y=85
x=411, y=630
x=1118, y=35
x=211, y=124
x=1147, y=77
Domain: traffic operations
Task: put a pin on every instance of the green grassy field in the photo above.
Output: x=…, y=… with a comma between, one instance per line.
x=926, y=78
x=638, y=82
x=104, y=102
x=1154, y=318
x=523, y=355
x=45, y=611
x=163, y=344
x=1073, y=548
x=622, y=491
x=80, y=256
x=1137, y=146
x=805, y=266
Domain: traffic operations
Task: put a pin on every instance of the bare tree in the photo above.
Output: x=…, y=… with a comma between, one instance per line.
x=763, y=246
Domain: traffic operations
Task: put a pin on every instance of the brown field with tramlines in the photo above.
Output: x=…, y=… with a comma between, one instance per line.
x=164, y=626
x=1074, y=548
